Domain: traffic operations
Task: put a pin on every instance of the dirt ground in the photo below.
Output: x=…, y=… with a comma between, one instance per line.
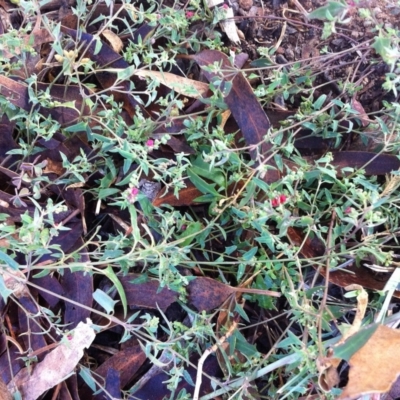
x=344, y=56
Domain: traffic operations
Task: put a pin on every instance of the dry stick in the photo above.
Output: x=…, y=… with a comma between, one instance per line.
x=323, y=302
x=301, y=8
x=203, y=358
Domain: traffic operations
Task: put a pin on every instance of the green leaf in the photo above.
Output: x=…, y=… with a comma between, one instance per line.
x=99, y=45
x=110, y=274
x=319, y=102
x=103, y=193
x=332, y=8
x=8, y=260
x=291, y=340
x=267, y=238
x=242, y=345
x=104, y=300
x=4, y=291
x=191, y=229
x=200, y=167
x=201, y=184
x=261, y=63
x=250, y=254
x=126, y=73
x=86, y=375
x=79, y=127
x=207, y=198
x=354, y=343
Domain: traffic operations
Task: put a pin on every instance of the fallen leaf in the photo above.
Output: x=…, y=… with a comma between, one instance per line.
x=52, y=285
x=375, y=366
x=56, y=366
x=246, y=110
x=107, y=58
x=147, y=294
x=114, y=40
x=126, y=362
x=156, y=389
x=12, y=358
x=17, y=94
x=208, y=294
x=205, y=294
x=186, y=196
x=185, y=86
x=312, y=248
x=328, y=374
x=356, y=105
x=112, y=386
x=372, y=163
x=362, y=303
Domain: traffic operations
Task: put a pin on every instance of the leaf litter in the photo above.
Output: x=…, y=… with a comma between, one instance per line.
x=67, y=290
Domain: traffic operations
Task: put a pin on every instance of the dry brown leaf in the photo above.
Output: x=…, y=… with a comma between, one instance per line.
x=186, y=197
x=56, y=366
x=376, y=366
x=185, y=86
x=327, y=366
x=126, y=362
x=328, y=374
x=53, y=166
x=311, y=248
x=114, y=40
x=356, y=105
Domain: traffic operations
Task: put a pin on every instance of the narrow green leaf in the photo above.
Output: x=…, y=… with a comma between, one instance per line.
x=201, y=184
x=110, y=274
x=8, y=260
x=86, y=375
x=190, y=230
x=79, y=127
x=354, y=343
x=200, y=167
x=103, y=193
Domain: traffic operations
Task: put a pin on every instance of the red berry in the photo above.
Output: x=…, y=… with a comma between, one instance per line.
x=275, y=202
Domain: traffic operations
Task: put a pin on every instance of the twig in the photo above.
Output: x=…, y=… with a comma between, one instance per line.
x=323, y=301
x=301, y=8
x=203, y=358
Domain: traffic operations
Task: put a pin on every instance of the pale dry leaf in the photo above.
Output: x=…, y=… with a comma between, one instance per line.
x=229, y=27
x=15, y=281
x=362, y=303
x=4, y=392
x=114, y=40
x=185, y=86
x=375, y=366
x=327, y=366
x=328, y=374
x=228, y=24
x=56, y=366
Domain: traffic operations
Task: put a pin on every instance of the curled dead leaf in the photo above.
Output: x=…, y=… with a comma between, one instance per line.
x=114, y=40
x=375, y=366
